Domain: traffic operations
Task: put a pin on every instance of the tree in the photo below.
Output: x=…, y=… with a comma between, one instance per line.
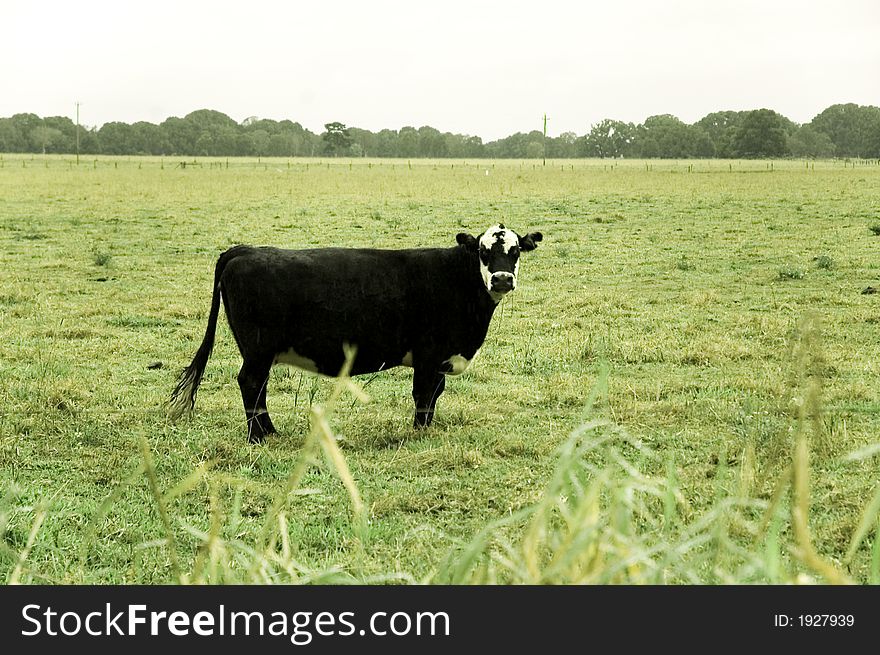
x=761, y=133
x=296, y=137
x=10, y=141
x=386, y=143
x=88, y=141
x=516, y=146
x=66, y=140
x=115, y=138
x=534, y=150
x=563, y=146
x=854, y=129
x=455, y=145
x=225, y=141
x=665, y=135
x=25, y=124
x=366, y=142
x=408, y=142
x=180, y=134
x=473, y=146
x=146, y=139
x=336, y=139
x=209, y=119
x=266, y=124
x=807, y=141
x=259, y=142
x=841, y=130
x=431, y=142
x=42, y=137
x=609, y=138
x=720, y=128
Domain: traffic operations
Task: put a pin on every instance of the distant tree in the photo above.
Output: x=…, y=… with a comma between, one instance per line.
x=268, y=125
x=508, y=147
x=431, y=142
x=259, y=142
x=462, y=145
x=209, y=119
x=720, y=128
x=386, y=143
x=609, y=138
x=116, y=138
x=761, y=133
x=871, y=133
x=534, y=150
x=25, y=124
x=337, y=140
x=366, y=142
x=516, y=146
x=42, y=137
x=145, y=139
x=180, y=134
x=807, y=141
x=408, y=142
x=10, y=141
x=854, y=129
x=296, y=136
x=665, y=135
x=244, y=145
x=66, y=140
x=455, y=145
x=88, y=141
x=474, y=147
x=204, y=144
x=206, y=130
x=701, y=144
x=563, y=146
x=842, y=130
x=224, y=141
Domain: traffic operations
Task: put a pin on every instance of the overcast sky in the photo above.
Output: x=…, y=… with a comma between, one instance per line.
x=483, y=68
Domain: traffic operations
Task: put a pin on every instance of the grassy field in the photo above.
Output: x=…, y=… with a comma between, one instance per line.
x=673, y=394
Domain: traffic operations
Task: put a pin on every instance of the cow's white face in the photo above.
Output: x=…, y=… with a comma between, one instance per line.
x=498, y=249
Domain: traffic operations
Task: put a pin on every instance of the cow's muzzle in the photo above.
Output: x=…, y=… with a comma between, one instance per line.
x=503, y=282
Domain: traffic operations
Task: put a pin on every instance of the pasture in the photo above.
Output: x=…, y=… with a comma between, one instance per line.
x=699, y=325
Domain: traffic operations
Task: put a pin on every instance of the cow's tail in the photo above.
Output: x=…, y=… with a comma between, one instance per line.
x=183, y=398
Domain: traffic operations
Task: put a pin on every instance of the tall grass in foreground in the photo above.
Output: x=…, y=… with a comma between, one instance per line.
x=600, y=519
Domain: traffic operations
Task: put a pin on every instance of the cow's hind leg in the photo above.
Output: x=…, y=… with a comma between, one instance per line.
x=252, y=379
x=428, y=384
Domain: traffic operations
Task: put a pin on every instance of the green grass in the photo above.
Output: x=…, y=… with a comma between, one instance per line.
x=688, y=464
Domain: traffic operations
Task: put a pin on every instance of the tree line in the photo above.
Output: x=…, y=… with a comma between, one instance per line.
x=841, y=130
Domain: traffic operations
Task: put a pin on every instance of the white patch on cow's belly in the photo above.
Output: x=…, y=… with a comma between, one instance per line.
x=293, y=358
x=407, y=359
x=459, y=363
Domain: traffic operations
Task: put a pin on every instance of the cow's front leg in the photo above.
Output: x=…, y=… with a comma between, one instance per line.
x=428, y=384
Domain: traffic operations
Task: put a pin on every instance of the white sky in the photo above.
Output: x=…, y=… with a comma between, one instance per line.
x=484, y=68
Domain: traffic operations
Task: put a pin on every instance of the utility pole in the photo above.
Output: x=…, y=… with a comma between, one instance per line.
x=77, y=133
x=545, y=140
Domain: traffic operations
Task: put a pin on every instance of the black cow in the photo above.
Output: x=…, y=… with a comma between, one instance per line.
x=427, y=308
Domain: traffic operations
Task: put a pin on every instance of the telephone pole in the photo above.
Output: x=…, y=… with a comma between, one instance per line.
x=77, y=133
x=545, y=140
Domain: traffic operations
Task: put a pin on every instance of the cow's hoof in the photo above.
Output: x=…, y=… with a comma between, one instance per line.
x=259, y=437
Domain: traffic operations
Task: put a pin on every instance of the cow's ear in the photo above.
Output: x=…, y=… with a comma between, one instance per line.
x=530, y=241
x=466, y=240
